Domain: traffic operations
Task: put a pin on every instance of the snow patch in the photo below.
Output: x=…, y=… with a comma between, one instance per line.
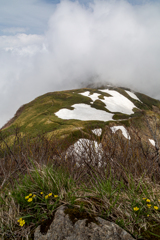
x=84, y=112
x=97, y=131
x=132, y=95
x=85, y=150
x=86, y=94
x=124, y=131
x=152, y=142
x=93, y=96
x=117, y=103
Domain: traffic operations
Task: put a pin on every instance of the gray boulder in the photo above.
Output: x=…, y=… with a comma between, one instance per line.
x=63, y=228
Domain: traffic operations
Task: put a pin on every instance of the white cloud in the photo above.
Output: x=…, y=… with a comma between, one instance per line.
x=13, y=30
x=19, y=43
x=112, y=41
x=31, y=15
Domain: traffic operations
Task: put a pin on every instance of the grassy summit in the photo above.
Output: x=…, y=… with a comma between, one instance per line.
x=38, y=116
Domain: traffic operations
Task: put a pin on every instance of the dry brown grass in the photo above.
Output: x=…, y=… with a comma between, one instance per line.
x=128, y=172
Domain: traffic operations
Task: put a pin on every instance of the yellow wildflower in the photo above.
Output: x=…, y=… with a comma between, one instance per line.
x=50, y=194
x=30, y=199
x=155, y=207
x=46, y=196
x=55, y=196
x=135, y=209
x=26, y=197
x=21, y=222
x=148, y=200
x=147, y=215
x=149, y=205
x=34, y=195
x=144, y=198
x=30, y=195
x=41, y=192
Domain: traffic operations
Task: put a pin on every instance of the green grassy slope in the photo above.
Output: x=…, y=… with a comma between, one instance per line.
x=38, y=116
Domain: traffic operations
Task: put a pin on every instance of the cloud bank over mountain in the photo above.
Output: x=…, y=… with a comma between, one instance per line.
x=106, y=41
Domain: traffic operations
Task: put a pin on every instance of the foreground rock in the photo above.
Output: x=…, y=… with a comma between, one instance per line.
x=62, y=228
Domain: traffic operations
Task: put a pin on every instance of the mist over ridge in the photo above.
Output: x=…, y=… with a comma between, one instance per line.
x=111, y=42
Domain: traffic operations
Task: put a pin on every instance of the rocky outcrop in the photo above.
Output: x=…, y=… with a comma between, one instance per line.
x=62, y=228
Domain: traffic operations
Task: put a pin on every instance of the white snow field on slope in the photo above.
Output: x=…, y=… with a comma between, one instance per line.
x=93, y=96
x=85, y=150
x=124, y=131
x=132, y=95
x=86, y=94
x=116, y=103
x=97, y=131
x=84, y=112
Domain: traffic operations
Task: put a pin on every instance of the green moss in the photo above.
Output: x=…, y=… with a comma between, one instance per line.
x=124, y=88
x=141, y=106
x=148, y=101
x=104, y=95
x=94, y=124
x=101, y=97
x=126, y=123
x=75, y=214
x=152, y=232
x=46, y=224
x=98, y=104
x=120, y=116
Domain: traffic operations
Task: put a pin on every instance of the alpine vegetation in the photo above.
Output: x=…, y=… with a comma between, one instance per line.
x=93, y=150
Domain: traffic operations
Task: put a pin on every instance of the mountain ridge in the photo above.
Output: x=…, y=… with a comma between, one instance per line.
x=42, y=115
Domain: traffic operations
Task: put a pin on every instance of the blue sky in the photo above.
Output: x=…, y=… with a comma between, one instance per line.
x=46, y=46
x=31, y=16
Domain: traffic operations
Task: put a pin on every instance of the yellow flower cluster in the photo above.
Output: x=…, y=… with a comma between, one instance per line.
x=21, y=222
x=49, y=195
x=30, y=197
x=149, y=205
x=155, y=207
x=135, y=209
x=46, y=196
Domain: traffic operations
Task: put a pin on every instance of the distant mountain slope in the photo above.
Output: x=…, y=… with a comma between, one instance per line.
x=65, y=112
